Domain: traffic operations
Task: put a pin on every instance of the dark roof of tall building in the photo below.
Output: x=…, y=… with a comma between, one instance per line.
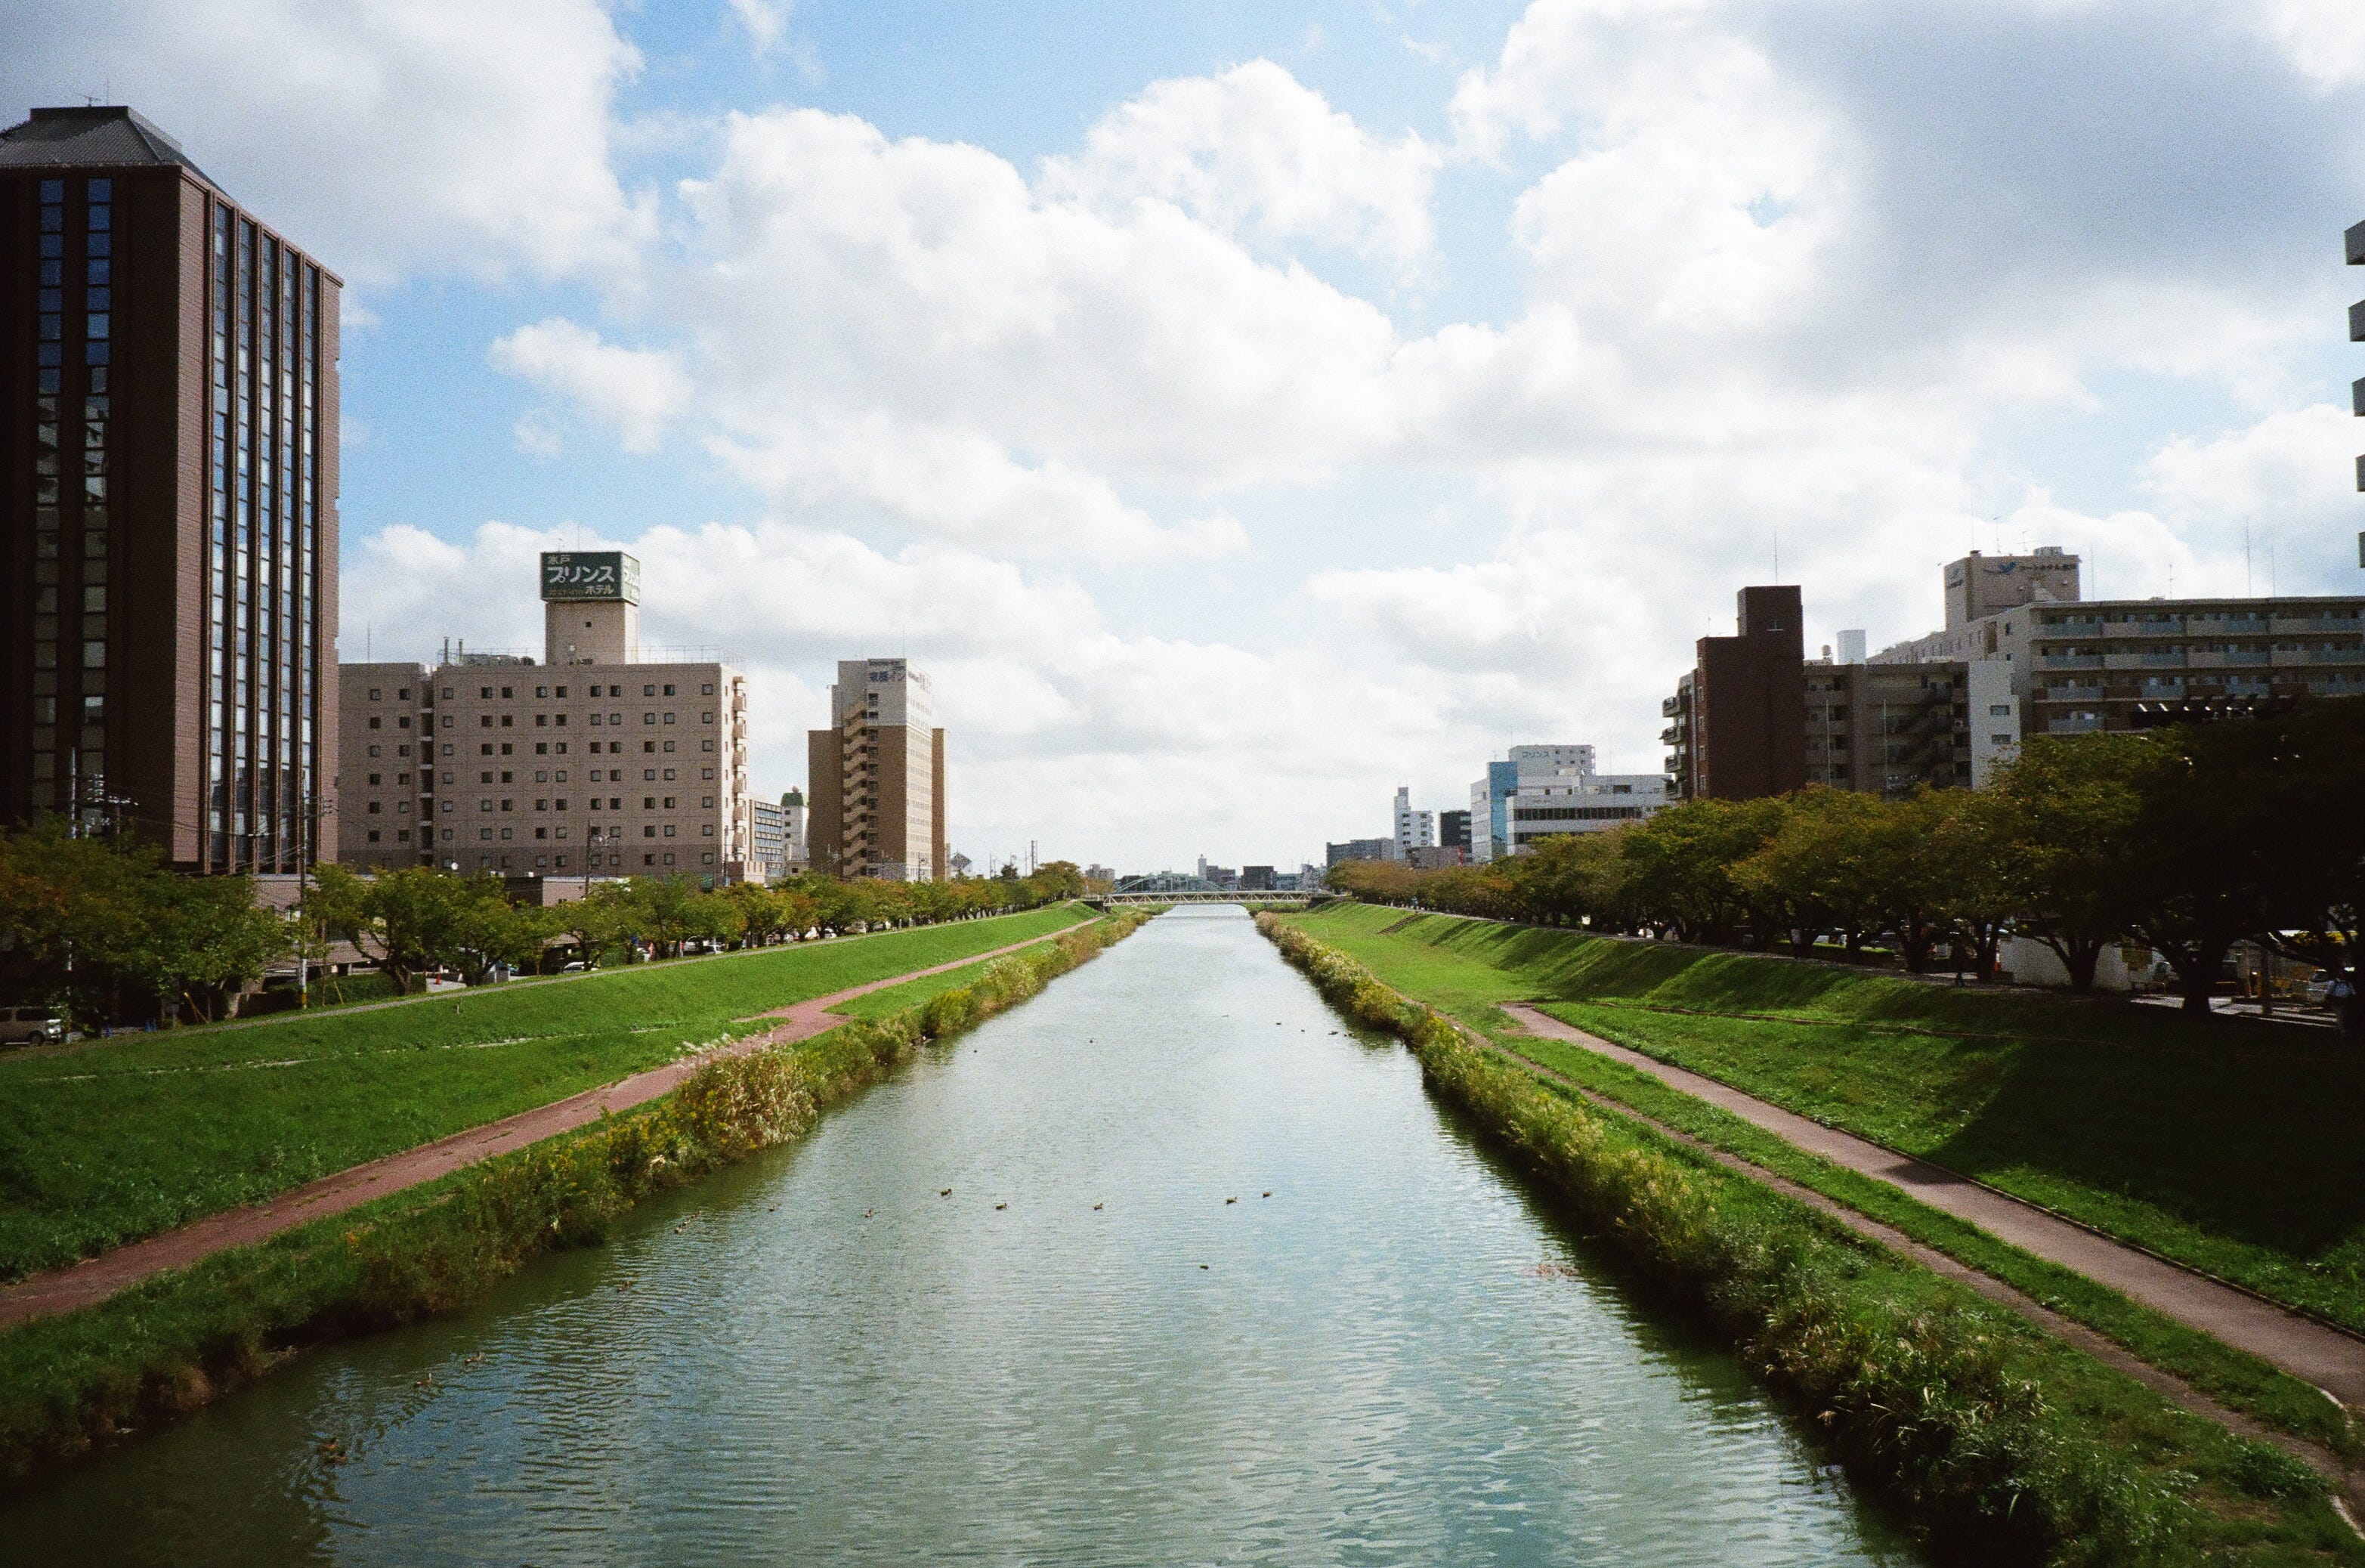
x=101, y=135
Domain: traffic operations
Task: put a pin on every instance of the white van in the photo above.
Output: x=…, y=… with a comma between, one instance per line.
x=30, y=1026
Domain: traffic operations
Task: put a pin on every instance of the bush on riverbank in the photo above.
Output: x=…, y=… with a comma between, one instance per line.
x=70, y=1383
x=1924, y=1390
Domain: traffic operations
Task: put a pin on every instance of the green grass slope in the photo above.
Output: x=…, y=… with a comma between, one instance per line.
x=130, y=1136
x=2234, y=1147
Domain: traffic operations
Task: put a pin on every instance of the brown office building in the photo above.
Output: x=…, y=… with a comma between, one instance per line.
x=878, y=779
x=1739, y=716
x=168, y=485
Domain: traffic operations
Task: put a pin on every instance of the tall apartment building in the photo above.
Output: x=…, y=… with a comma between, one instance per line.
x=2134, y=664
x=598, y=761
x=2355, y=245
x=168, y=500
x=1414, y=830
x=2073, y=665
x=767, y=843
x=878, y=777
x=1884, y=728
x=1738, y=717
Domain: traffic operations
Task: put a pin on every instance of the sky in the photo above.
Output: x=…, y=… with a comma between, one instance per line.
x=1240, y=410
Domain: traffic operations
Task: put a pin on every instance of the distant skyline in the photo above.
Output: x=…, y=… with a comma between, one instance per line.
x=1244, y=410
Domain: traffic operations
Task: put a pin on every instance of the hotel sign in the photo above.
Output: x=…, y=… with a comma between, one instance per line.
x=573, y=574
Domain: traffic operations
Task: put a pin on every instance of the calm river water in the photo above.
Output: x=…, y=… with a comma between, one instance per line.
x=1396, y=1357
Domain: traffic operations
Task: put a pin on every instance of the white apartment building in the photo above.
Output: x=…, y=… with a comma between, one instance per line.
x=592, y=763
x=1414, y=830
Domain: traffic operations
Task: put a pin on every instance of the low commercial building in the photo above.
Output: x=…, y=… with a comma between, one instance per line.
x=1453, y=831
x=1490, y=798
x=594, y=762
x=1356, y=849
x=1553, y=805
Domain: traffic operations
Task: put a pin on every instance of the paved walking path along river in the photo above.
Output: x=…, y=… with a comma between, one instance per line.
x=1215, y=1280
x=94, y=1278
x=2322, y=1355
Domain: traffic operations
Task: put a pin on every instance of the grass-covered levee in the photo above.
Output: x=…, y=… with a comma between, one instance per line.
x=70, y=1382
x=1997, y=1442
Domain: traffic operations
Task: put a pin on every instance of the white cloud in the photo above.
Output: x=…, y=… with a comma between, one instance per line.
x=1252, y=151
x=386, y=136
x=2293, y=467
x=639, y=391
x=767, y=21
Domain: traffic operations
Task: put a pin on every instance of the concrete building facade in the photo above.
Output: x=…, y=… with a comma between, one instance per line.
x=595, y=762
x=2132, y=664
x=1883, y=729
x=877, y=776
x=168, y=500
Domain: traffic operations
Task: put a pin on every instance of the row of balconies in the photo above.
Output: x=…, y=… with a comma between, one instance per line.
x=2201, y=625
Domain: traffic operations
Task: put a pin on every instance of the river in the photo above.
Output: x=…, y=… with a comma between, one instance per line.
x=1254, y=1298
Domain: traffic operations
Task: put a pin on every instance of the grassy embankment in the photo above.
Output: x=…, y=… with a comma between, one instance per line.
x=165, y=1348
x=2000, y=1442
x=2114, y=1103
x=129, y=1137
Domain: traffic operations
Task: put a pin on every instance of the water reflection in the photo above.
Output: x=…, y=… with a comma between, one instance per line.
x=816, y=1358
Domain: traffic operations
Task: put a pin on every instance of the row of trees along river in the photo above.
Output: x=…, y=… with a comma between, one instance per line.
x=103, y=930
x=2188, y=839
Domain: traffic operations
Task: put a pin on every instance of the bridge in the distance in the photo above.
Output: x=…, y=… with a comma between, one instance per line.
x=1180, y=887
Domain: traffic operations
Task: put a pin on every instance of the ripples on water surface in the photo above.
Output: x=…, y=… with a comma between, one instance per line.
x=1368, y=1366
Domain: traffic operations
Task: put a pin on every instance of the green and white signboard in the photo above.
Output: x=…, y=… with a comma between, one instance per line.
x=576, y=575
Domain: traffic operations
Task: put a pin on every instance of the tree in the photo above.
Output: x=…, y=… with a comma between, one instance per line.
x=2212, y=856
x=422, y=918
x=1682, y=862
x=2070, y=804
x=2321, y=847
x=1818, y=871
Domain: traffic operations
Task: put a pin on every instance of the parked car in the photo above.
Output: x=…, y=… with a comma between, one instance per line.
x=30, y=1026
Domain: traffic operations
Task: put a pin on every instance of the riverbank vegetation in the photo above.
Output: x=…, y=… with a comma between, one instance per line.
x=100, y=929
x=2001, y=1443
x=2229, y=1146
x=110, y=1141
x=2187, y=839
x=70, y=1382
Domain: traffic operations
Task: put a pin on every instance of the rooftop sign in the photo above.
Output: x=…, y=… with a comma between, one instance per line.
x=574, y=574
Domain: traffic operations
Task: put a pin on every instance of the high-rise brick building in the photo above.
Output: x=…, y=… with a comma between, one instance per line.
x=168, y=500
x=1739, y=716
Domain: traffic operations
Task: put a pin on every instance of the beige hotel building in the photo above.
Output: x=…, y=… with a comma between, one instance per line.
x=596, y=762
